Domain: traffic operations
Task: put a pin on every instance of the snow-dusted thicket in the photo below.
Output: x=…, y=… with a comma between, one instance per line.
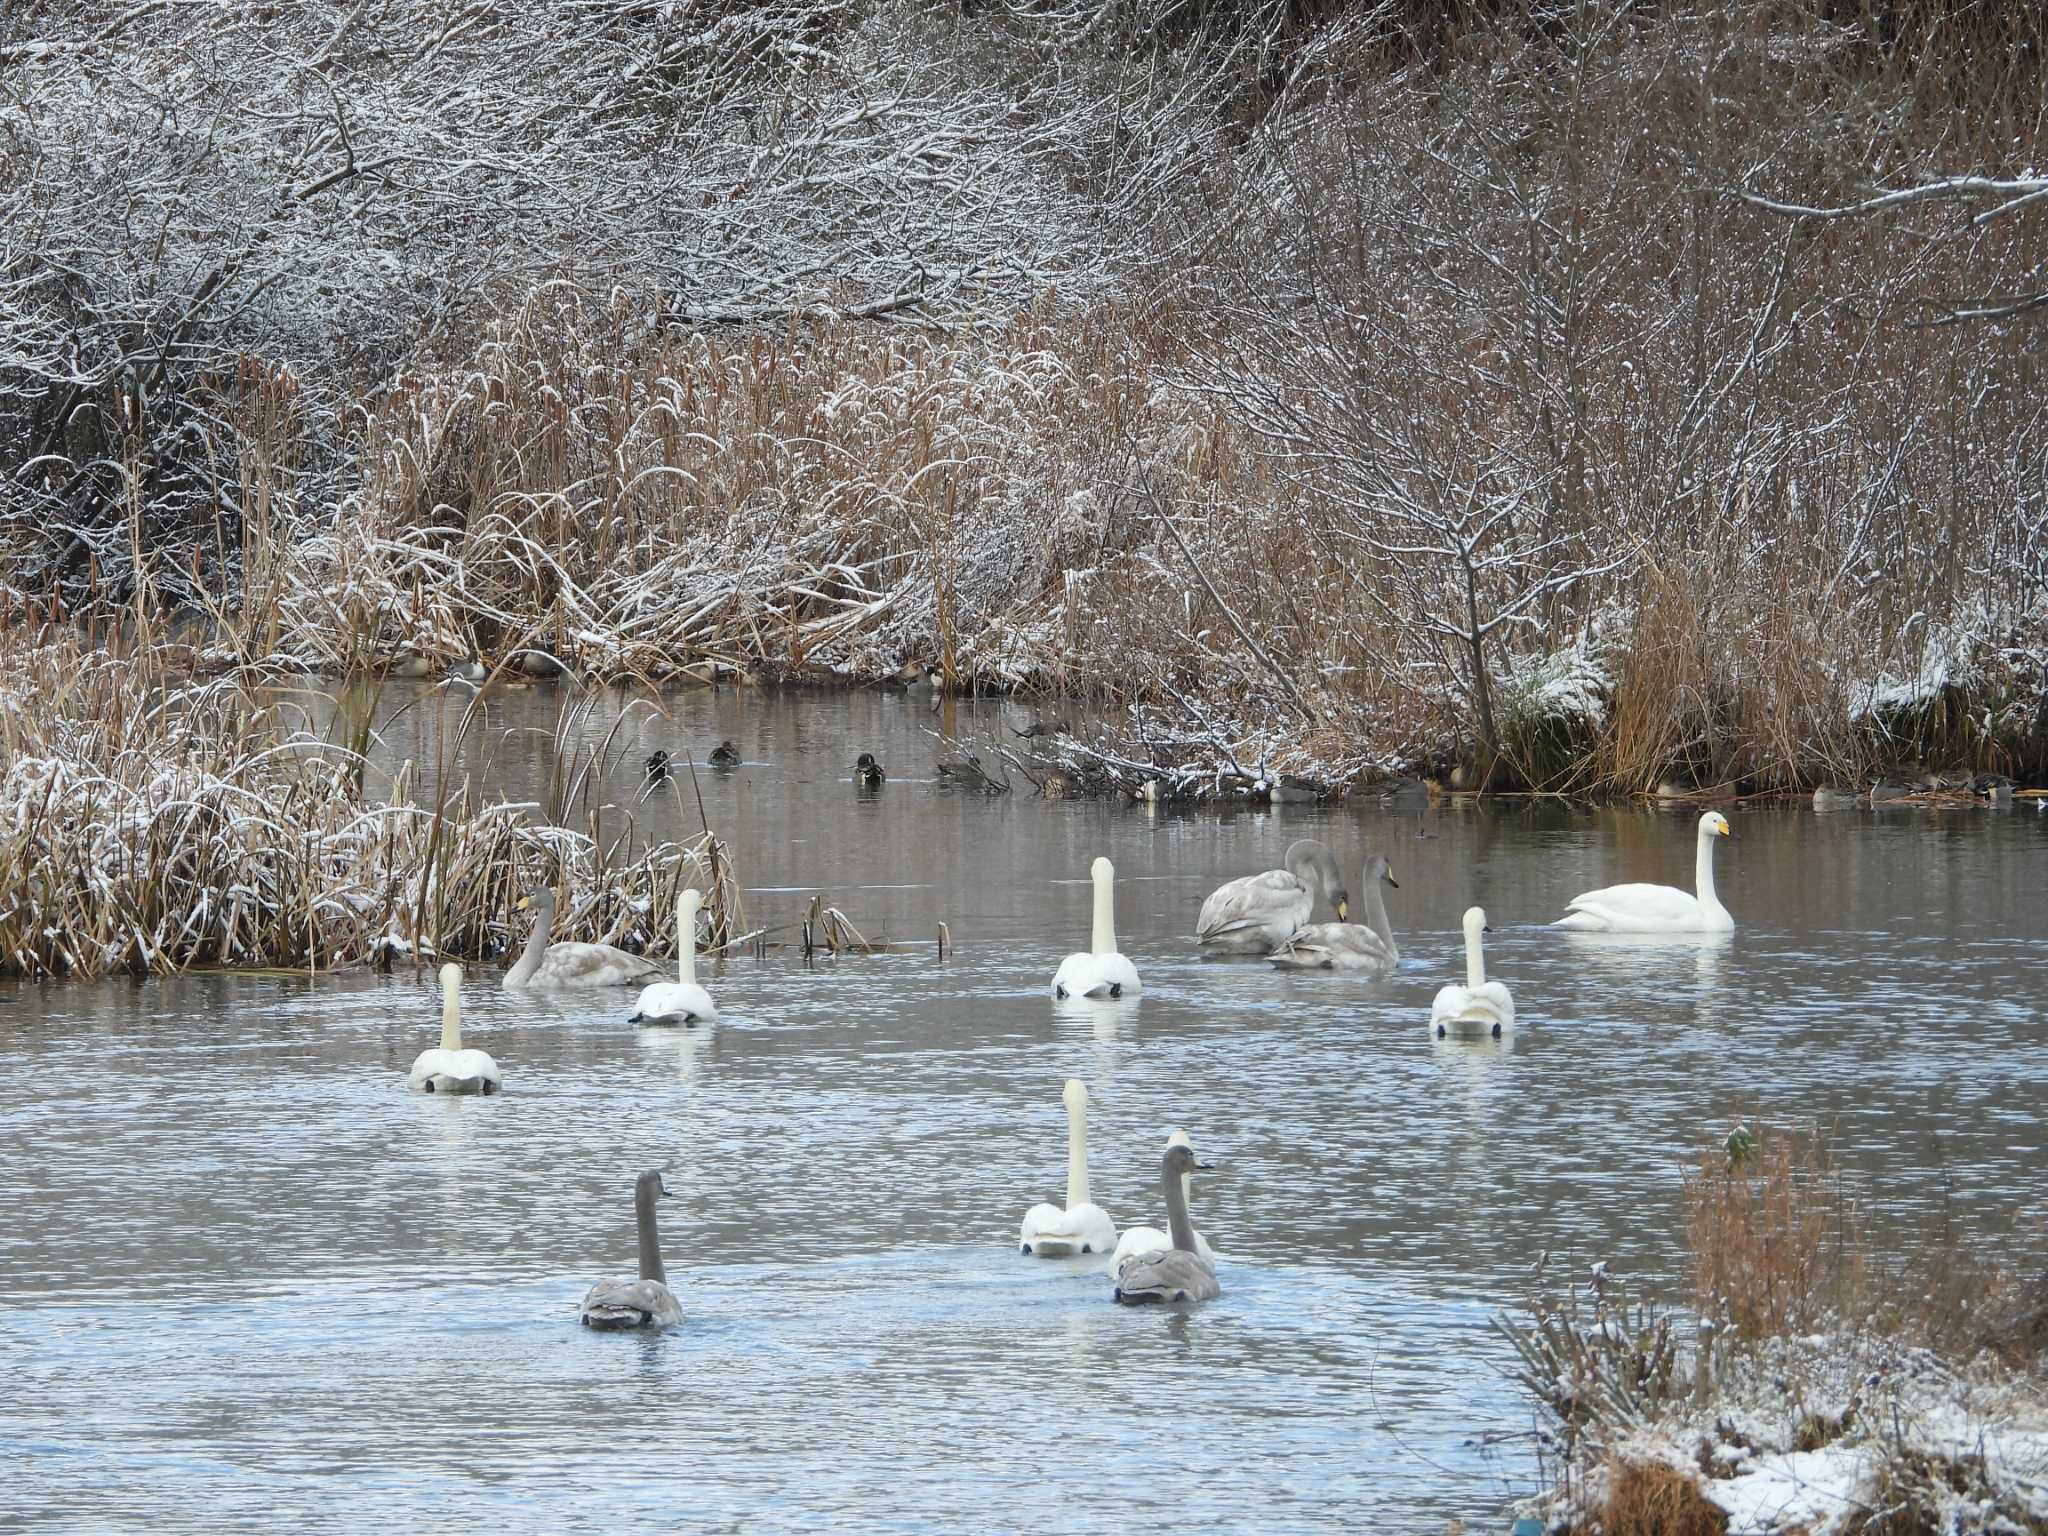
x=212, y=213
x=1310, y=386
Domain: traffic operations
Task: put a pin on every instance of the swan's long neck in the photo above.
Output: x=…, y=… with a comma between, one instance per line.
x=1475, y=959
x=1177, y=1222
x=1104, y=941
x=1703, y=872
x=650, y=1240
x=1077, y=1156
x=686, y=943
x=451, y=1021
x=536, y=947
x=1376, y=911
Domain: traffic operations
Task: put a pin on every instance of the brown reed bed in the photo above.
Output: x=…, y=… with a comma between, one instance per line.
x=1041, y=506
x=1576, y=470
x=151, y=823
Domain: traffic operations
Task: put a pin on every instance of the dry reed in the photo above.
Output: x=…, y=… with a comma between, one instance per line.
x=1773, y=1238
x=150, y=824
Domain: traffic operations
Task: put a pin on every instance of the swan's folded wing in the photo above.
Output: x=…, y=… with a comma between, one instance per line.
x=594, y=965
x=673, y=1002
x=630, y=1304
x=1333, y=946
x=1637, y=906
x=1171, y=1275
x=1253, y=901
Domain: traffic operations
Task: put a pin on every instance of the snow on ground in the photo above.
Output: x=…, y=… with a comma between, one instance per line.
x=1820, y=1434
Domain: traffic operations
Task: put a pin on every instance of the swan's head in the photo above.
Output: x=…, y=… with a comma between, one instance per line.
x=540, y=900
x=689, y=902
x=1380, y=867
x=1076, y=1095
x=1179, y=1138
x=650, y=1184
x=1102, y=871
x=1476, y=923
x=1180, y=1161
x=1714, y=824
x=451, y=979
x=1314, y=864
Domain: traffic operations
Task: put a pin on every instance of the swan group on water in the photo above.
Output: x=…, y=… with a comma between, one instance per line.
x=1269, y=915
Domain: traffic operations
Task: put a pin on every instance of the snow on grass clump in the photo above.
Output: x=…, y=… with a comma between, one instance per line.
x=1573, y=686
x=1821, y=1433
x=1946, y=658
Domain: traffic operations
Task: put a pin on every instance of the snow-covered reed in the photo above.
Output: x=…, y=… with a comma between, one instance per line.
x=153, y=824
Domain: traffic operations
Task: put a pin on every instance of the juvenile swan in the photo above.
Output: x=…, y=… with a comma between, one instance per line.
x=1084, y=1226
x=1256, y=914
x=451, y=1069
x=1179, y=1273
x=1140, y=1241
x=1658, y=908
x=1480, y=1007
x=1100, y=972
x=542, y=964
x=1366, y=947
x=681, y=1001
x=646, y=1302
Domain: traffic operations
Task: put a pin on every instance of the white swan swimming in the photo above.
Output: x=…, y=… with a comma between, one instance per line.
x=1084, y=1226
x=646, y=1302
x=1179, y=1273
x=542, y=964
x=1480, y=1008
x=1366, y=947
x=1100, y=971
x=1658, y=908
x=1256, y=914
x=449, y=1068
x=1138, y=1241
x=682, y=1001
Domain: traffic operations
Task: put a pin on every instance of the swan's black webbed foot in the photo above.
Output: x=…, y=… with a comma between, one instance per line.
x=1060, y=993
x=1116, y=989
x=1439, y=1031
x=1027, y=1247
x=1496, y=1031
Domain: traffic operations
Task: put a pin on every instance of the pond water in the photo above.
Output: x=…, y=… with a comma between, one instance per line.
x=248, y=1280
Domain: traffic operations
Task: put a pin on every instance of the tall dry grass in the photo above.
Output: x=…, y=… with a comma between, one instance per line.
x=1773, y=1238
x=153, y=824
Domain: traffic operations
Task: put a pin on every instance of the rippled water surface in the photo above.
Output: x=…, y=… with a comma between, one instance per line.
x=248, y=1281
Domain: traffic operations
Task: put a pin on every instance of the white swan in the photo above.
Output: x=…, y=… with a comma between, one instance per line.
x=1179, y=1273
x=1137, y=1241
x=449, y=1068
x=683, y=1001
x=1480, y=1007
x=646, y=1302
x=1084, y=1226
x=1101, y=971
x=1255, y=914
x=542, y=964
x=1658, y=908
x=1366, y=947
